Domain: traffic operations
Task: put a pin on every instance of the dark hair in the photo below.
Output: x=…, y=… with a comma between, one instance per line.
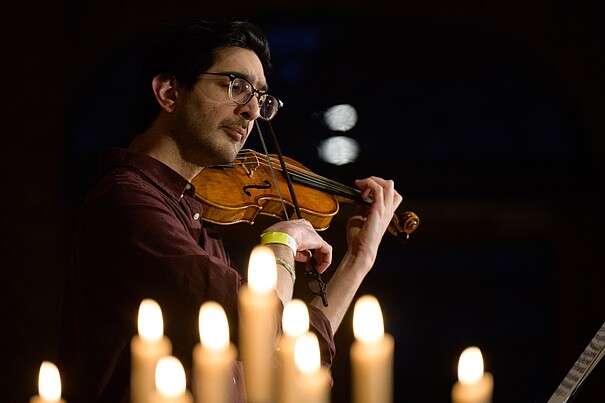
x=185, y=50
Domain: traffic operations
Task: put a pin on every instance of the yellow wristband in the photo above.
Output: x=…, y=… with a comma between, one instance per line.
x=279, y=237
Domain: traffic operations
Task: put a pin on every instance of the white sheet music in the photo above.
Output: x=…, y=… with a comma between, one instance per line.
x=581, y=369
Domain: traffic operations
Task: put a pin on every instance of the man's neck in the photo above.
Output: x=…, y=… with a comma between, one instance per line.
x=163, y=149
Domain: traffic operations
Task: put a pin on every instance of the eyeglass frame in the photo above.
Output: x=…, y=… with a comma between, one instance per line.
x=316, y=285
x=258, y=93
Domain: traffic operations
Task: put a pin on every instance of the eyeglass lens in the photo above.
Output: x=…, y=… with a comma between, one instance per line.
x=241, y=91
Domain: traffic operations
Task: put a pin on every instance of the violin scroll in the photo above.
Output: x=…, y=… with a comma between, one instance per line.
x=410, y=223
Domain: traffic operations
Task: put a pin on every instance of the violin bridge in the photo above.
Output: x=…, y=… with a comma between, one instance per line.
x=251, y=166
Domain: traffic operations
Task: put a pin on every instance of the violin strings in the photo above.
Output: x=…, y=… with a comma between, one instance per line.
x=307, y=175
x=309, y=178
x=320, y=182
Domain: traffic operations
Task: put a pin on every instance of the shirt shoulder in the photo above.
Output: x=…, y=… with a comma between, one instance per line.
x=124, y=167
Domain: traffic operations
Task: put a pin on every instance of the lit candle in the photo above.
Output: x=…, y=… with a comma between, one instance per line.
x=371, y=354
x=170, y=382
x=146, y=349
x=258, y=313
x=312, y=383
x=49, y=385
x=474, y=385
x=213, y=357
x=295, y=323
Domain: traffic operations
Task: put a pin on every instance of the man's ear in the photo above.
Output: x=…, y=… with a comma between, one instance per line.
x=165, y=92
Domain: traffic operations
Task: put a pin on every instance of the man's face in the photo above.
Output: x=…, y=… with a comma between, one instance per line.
x=209, y=127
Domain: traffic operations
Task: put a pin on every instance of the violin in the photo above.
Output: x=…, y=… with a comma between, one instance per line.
x=239, y=191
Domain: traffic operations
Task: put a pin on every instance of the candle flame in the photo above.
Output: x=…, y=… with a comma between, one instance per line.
x=368, y=326
x=262, y=271
x=295, y=320
x=49, y=382
x=170, y=378
x=306, y=353
x=470, y=366
x=150, y=322
x=213, y=325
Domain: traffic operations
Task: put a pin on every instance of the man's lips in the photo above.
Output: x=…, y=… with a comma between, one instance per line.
x=236, y=131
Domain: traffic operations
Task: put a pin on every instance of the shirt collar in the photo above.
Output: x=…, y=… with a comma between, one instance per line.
x=158, y=172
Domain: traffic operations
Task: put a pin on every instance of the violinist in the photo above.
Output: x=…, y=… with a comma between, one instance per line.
x=140, y=234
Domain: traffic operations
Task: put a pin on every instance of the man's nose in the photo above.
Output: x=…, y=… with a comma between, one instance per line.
x=251, y=109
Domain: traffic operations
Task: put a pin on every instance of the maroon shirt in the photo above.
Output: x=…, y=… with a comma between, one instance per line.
x=140, y=235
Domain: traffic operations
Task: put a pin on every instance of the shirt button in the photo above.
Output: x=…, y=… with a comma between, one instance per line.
x=196, y=216
x=187, y=186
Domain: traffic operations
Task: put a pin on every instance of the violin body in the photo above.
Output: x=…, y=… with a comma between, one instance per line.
x=255, y=184
x=238, y=192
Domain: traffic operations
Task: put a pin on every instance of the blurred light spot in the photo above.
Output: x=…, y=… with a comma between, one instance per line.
x=338, y=150
x=340, y=117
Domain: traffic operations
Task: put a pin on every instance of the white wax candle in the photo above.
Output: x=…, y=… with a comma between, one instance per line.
x=146, y=349
x=213, y=357
x=170, y=382
x=474, y=385
x=295, y=323
x=312, y=381
x=371, y=354
x=258, y=313
x=49, y=385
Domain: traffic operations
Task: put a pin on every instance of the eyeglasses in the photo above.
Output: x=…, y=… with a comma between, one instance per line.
x=241, y=92
x=317, y=286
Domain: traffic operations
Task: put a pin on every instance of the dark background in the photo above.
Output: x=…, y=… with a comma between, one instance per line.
x=487, y=114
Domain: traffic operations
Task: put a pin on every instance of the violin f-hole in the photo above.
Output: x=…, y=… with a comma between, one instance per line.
x=267, y=185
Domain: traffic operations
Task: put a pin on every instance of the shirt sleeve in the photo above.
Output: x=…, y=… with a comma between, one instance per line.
x=320, y=325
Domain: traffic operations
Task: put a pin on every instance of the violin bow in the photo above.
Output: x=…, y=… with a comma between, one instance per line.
x=315, y=283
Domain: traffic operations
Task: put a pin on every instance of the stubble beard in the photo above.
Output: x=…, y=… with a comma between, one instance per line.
x=215, y=149
x=204, y=143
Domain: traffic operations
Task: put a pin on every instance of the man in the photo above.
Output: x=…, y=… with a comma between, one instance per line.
x=140, y=234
